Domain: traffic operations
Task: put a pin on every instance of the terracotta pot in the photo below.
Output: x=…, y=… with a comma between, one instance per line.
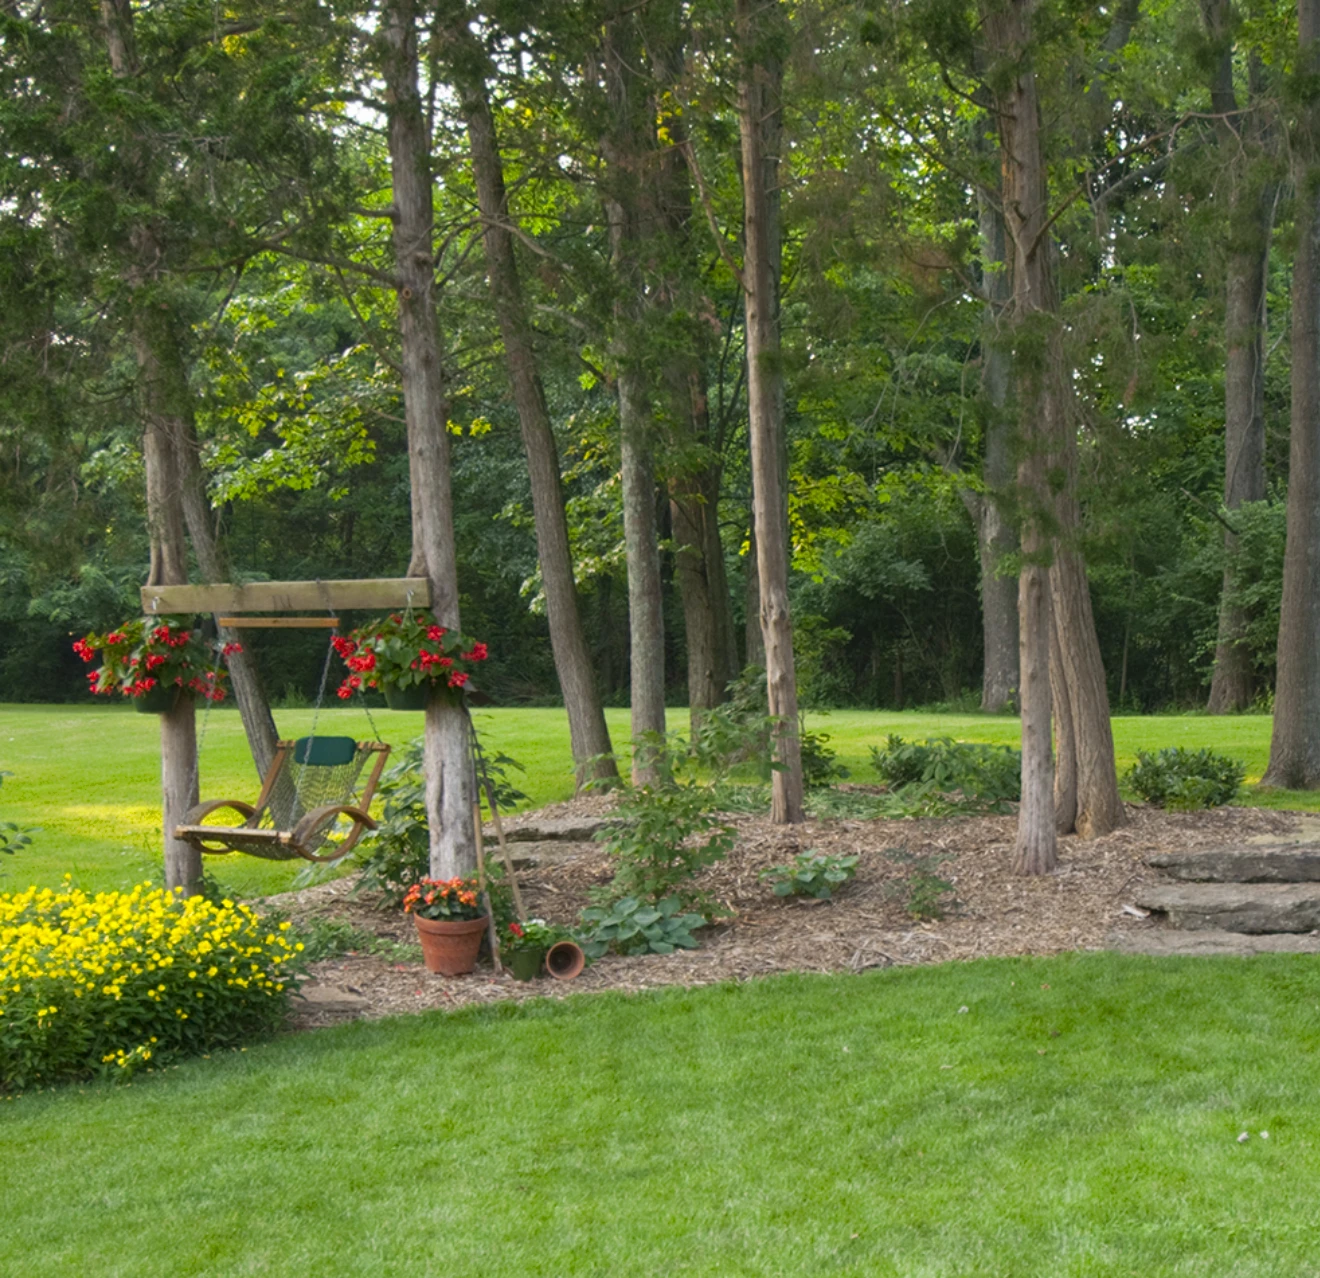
x=414, y=698
x=449, y=946
x=158, y=700
x=524, y=964
x=565, y=960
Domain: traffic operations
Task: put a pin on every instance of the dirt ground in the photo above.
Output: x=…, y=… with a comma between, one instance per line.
x=989, y=911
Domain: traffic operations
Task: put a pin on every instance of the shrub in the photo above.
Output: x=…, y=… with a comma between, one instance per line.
x=110, y=982
x=13, y=836
x=1182, y=779
x=811, y=874
x=661, y=836
x=630, y=926
x=921, y=890
x=985, y=775
x=398, y=853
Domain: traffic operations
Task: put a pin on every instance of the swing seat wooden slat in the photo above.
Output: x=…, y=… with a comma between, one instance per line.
x=310, y=789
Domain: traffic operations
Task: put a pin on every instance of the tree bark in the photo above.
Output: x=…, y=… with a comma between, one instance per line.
x=155, y=351
x=169, y=562
x=761, y=26
x=1295, y=744
x=1251, y=193
x=695, y=465
x=1065, y=732
x=625, y=151
x=450, y=779
x=589, y=737
x=1037, y=360
x=995, y=534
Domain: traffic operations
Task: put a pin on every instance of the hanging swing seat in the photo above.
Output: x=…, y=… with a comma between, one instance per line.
x=313, y=803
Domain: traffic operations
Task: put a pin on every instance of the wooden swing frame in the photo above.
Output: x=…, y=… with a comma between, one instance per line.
x=225, y=598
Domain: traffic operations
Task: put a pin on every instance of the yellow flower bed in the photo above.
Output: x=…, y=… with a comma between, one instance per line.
x=119, y=980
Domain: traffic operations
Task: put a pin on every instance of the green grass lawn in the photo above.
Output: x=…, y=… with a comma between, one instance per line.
x=89, y=775
x=1079, y=1116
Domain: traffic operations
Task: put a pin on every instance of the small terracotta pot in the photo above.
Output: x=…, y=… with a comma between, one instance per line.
x=414, y=698
x=158, y=700
x=449, y=946
x=565, y=960
x=524, y=964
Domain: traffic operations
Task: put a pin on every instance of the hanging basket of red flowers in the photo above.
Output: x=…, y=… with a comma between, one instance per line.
x=153, y=660
x=409, y=652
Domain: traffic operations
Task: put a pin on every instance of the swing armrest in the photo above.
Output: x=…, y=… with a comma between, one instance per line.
x=202, y=810
x=307, y=827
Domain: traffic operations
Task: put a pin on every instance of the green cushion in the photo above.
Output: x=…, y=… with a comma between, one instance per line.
x=324, y=752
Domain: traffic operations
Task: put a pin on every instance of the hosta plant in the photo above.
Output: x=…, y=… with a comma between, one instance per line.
x=811, y=874
x=630, y=926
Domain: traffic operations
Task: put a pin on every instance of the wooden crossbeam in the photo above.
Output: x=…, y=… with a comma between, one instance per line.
x=288, y=596
x=278, y=623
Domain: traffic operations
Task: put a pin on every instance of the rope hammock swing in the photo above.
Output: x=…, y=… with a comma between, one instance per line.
x=313, y=801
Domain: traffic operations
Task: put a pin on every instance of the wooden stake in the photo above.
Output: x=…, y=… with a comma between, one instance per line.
x=504, y=849
x=481, y=884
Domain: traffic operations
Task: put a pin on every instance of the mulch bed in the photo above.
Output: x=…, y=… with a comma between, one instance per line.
x=989, y=912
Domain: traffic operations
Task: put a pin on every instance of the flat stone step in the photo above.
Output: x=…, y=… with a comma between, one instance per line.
x=1262, y=863
x=555, y=830
x=1168, y=943
x=1236, y=907
x=527, y=856
x=321, y=997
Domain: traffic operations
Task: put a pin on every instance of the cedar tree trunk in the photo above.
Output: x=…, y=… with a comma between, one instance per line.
x=760, y=33
x=450, y=777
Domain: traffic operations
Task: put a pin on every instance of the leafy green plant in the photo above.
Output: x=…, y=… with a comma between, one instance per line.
x=14, y=837
x=737, y=734
x=1183, y=780
x=326, y=938
x=661, y=836
x=631, y=926
x=811, y=874
x=983, y=776
x=398, y=853
x=921, y=890
x=819, y=768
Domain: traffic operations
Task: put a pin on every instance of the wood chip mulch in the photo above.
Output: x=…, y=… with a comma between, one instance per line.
x=990, y=911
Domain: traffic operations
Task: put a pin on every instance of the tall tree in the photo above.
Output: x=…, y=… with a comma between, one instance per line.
x=1243, y=138
x=450, y=777
x=1295, y=744
x=1041, y=397
x=761, y=31
x=629, y=157
x=468, y=67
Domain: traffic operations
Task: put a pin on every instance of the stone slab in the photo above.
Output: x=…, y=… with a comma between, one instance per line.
x=527, y=856
x=1262, y=863
x=1165, y=942
x=1236, y=907
x=556, y=830
x=321, y=997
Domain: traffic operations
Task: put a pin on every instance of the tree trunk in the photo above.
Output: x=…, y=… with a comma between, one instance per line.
x=253, y=707
x=1037, y=359
x=760, y=83
x=1065, y=738
x=696, y=469
x=450, y=778
x=626, y=159
x=156, y=353
x=1099, y=806
x=1295, y=745
x=1242, y=140
x=590, y=739
x=754, y=641
x=995, y=534
x=169, y=563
